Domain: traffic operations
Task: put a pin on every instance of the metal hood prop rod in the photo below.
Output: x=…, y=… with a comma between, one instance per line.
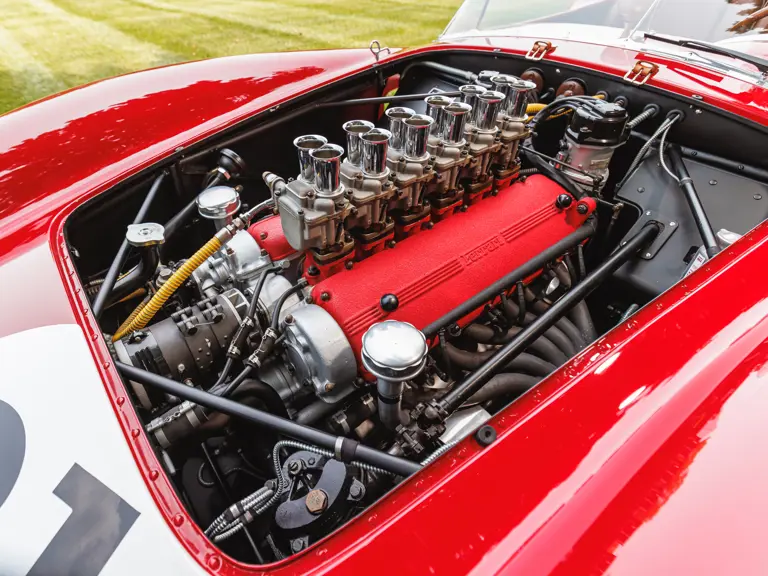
x=344, y=448
x=114, y=270
x=477, y=379
x=530, y=267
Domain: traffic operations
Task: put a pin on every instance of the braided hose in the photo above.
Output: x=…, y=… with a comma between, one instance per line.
x=124, y=326
x=169, y=287
x=439, y=452
x=535, y=108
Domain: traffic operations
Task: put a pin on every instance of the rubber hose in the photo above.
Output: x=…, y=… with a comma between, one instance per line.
x=137, y=276
x=502, y=385
x=542, y=347
x=169, y=287
x=554, y=333
x=313, y=412
x=526, y=363
x=255, y=388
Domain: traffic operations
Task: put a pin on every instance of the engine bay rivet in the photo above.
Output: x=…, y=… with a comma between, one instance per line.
x=120, y=400
x=135, y=432
x=713, y=182
x=672, y=224
x=154, y=474
x=641, y=190
x=214, y=562
x=178, y=520
x=325, y=296
x=757, y=196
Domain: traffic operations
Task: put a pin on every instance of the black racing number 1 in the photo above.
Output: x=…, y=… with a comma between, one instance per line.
x=99, y=521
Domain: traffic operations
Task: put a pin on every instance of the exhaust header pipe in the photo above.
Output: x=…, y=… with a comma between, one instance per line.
x=355, y=129
x=375, y=145
x=397, y=116
x=304, y=146
x=417, y=129
x=516, y=92
x=327, y=165
x=488, y=108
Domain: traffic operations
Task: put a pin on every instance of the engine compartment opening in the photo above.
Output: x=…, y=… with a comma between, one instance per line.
x=303, y=324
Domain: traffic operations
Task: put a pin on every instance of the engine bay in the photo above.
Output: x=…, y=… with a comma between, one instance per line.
x=311, y=307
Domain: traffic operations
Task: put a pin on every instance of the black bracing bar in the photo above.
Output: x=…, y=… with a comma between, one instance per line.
x=530, y=267
x=114, y=269
x=535, y=329
x=383, y=99
x=277, y=424
x=692, y=197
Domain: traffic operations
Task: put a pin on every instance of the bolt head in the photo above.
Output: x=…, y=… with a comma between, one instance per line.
x=325, y=296
x=672, y=224
x=329, y=386
x=349, y=264
x=389, y=302
x=263, y=235
x=297, y=545
x=647, y=254
x=316, y=501
x=563, y=201
x=582, y=208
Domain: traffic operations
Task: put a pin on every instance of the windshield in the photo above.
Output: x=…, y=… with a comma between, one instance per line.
x=735, y=24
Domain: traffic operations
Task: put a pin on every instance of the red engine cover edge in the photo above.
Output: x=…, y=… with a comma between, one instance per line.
x=433, y=272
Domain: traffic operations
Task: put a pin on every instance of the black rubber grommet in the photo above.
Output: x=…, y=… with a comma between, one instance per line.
x=485, y=435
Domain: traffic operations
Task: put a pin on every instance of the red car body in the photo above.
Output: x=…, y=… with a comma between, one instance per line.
x=639, y=456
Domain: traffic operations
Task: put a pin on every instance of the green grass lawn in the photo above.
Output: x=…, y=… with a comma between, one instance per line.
x=49, y=45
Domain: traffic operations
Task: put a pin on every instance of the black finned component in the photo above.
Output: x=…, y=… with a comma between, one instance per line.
x=533, y=265
x=389, y=302
x=563, y=201
x=475, y=381
x=266, y=420
x=692, y=197
x=114, y=269
x=598, y=123
x=485, y=435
